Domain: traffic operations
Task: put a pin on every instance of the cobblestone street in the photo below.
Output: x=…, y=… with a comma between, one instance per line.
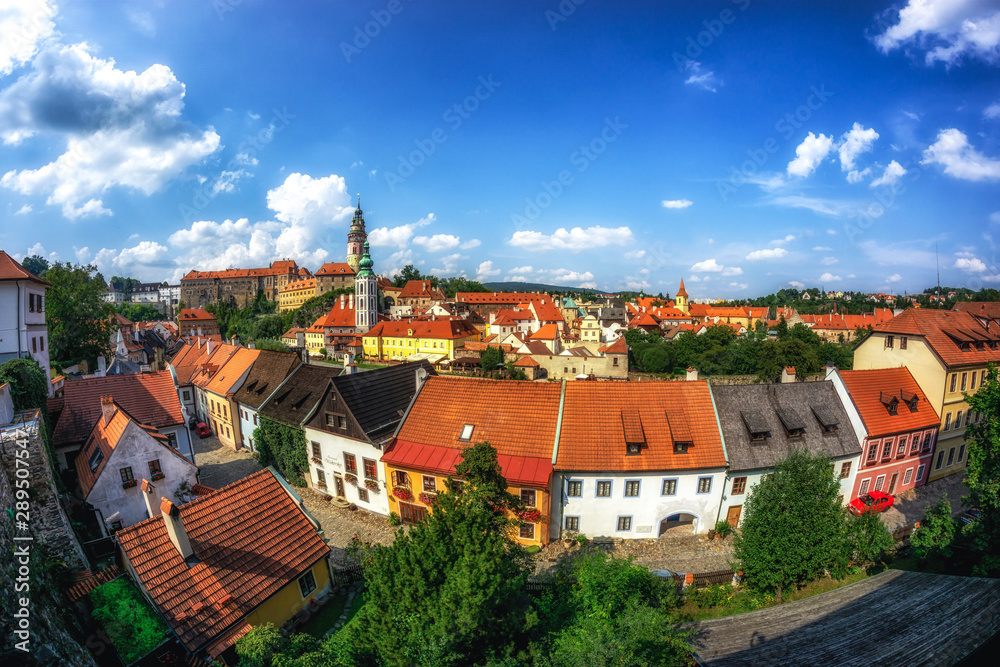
x=909, y=506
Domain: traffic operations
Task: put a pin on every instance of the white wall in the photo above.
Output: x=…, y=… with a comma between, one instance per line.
x=599, y=516
x=18, y=330
x=248, y=417
x=333, y=448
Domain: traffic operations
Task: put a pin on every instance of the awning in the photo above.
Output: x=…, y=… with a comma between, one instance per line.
x=518, y=470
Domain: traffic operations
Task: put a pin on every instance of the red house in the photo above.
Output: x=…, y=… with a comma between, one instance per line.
x=901, y=428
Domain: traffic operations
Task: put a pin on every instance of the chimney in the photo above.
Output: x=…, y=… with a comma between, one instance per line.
x=300, y=338
x=831, y=368
x=152, y=498
x=175, y=528
x=107, y=408
x=102, y=367
x=208, y=347
x=305, y=356
x=692, y=373
x=350, y=302
x=342, y=299
x=421, y=377
x=199, y=331
x=252, y=345
x=788, y=374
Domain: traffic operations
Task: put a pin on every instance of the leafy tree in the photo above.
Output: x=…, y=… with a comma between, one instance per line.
x=933, y=539
x=490, y=359
x=982, y=473
x=259, y=647
x=28, y=384
x=78, y=318
x=636, y=637
x=36, y=264
x=270, y=344
x=284, y=447
x=868, y=538
x=138, y=312
x=793, y=525
x=409, y=273
x=484, y=481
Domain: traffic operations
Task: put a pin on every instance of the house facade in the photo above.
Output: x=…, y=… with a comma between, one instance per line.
x=396, y=340
x=23, y=331
x=207, y=410
x=294, y=294
x=197, y=322
x=899, y=428
x=268, y=371
x=220, y=393
x=334, y=275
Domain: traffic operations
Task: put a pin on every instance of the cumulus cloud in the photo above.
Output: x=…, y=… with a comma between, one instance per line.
x=635, y=254
x=575, y=239
x=782, y=241
x=894, y=278
x=959, y=159
x=767, y=253
x=24, y=210
x=708, y=265
x=992, y=111
x=829, y=261
x=969, y=263
x=486, y=271
x=739, y=286
x=893, y=172
x=121, y=128
x=809, y=154
x=704, y=79
x=855, y=176
x=302, y=199
x=796, y=284
x=948, y=30
x=732, y=271
x=399, y=236
x=676, y=203
x=823, y=248
x=829, y=278
x=23, y=26
x=855, y=141
x=437, y=242
x=471, y=243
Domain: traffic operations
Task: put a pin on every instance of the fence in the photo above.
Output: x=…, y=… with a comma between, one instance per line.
x=347, y=575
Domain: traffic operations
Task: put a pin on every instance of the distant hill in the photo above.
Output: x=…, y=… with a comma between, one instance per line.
x=535, y=287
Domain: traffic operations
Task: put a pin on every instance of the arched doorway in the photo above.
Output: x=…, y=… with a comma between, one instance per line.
x=680, y=523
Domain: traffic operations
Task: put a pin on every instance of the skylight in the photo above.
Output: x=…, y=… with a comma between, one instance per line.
x=466, y=432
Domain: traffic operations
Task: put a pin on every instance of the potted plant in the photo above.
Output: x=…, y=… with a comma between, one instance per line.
x=569, y=538
x=327, y=497
x=722, y=528
x=351, y=479
x=129, y=484
x=371, y=484
x=157, y=476
x=427, y=498
x=352, y=507
x=317, y=460
x=581, y=539
x=402, y=493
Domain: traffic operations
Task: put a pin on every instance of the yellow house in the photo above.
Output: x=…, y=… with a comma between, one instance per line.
x=181, y=560
x=947, y=353
x=293, y=295
x=400, y=339
x=220, y=390
x=316, y=338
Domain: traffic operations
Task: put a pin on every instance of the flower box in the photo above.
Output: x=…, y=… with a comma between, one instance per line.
x=371, y=484
x=531, y=515
x=428, y=498
x=129, y=484
x=317, y=460
x=157, y=476
x=351, y=479
x=402, y=493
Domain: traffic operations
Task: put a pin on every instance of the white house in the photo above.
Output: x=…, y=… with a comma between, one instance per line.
x=268, y=371
x=126, y=467
x=634, y=460
x=23, y=331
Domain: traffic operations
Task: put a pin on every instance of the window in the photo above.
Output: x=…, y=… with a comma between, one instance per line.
x=915, y=443
x=920, y=472
x=889, y=340
x=572, y=523
x=154, y=466
x=603, y=488
x=982, y=378
x=845, y=470
x=528, y=497
x=951, y=456
x=964, y=380
x=307, y=583
x=400, y=478
x=864, y=487
x=669, y=487
x=704, y=485
x=320, y=479
x=317, y=451
x=632, y=488
x=624, y=523
x=739, y=486
x=954, y=382
x=350, y=463
x=362, y=494
x=126, y=474
x=886, y=448
x=927, y=443
x=527, y=531
x=947, y=422
x=430, y=484
x=901, y=447
x=41, y=343
x=879, y=481
x=467, y=432
x=902, y=342
x=681, y=447
x=186, y=395
x=872, y=451
x=34, y=344
x=371, y=471
x=907, y=475
x=255, y=419
x=172, y=440
x=940, y=460
x=972, y=381
x=574, y=488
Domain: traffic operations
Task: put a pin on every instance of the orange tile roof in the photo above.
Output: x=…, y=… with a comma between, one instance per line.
x=547, y=332
x=195, y=315
x=210, y=366
x=436, y=329
x=984, y=309
x=498, y=298
x=150, y=398
x=11, y=269
x=292, y=333
x=593, y=435
x=526, y=362
x=617, y=347
x=335, y=268
x=251, y=540
x=308, y=283
x=870, y=390
x=185, y=363
x=945, y=331
x=414, y=289
x=680, y=290
x=338, y=317
x=224, y=381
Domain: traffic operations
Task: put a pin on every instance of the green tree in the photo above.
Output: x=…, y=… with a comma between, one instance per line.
x=138, y=312
x=636, y=637
x=490, y=359
x=78, y=318
x=270, y=344
x=932, y=541
x=36, y=264
x=284, y=447
x=982, y=473
x=29, y=386
x=868, y=538
x=793, y=525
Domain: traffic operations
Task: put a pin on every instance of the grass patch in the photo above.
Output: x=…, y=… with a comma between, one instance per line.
x=132, y=625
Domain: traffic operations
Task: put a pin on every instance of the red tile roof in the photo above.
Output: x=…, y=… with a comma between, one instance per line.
x=526, y=362
x=498, y=298
x=871, y=390
x=946, y=331
x=547, y=332
x=517, y=470
x=209, y=367
x=149, y=397
x=438, y=329
x=195, y=315
x=224, y=382
x=594, y=437
x=250, y=539
x=308, y=283
x=617, y=347
x=985, y=309
x=335, y=269
x=10, y=269
x=416, y=289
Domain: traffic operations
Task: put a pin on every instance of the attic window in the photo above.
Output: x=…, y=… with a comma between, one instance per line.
x=756, y=425
x=892, y=407
x=681, y=447
x=633, y=448
x=794, y=426
x=95, y=459
x=826, y=419
x=466, y=433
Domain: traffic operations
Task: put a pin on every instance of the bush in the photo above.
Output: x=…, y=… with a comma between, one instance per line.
x=29, y=386
x=723, y=528
x=394, y=519
x=134, y=628
x=710, y=596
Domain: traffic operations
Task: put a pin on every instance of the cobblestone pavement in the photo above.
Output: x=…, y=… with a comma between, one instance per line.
x=909, y=506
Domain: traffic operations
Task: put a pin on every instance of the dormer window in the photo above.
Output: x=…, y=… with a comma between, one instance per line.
x=754, y=421
x=633, y=448
x=466, y=433
x=681, y=447
x=794, y=426
x=826, y=419
x=892, y=406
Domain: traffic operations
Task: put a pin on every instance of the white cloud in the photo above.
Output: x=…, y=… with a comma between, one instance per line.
x=829, y=261
x=969, y=263
x=24, y=210
x=911, y=115
x=732, y=271
x=574, y=239
x=959, y=159
x=708, y=265
x=823, y=248
x=855, y=141
x=788, y=239
x=676, y=203
x=992, y=111
x=145, y=253
x=701, y=78
x=23, y=27
x=809, y=154
x=829, y=278
x=302, y=199
x=437, y=242
x=523, y=269
x=120, y=128
x=993, y=278
x=449, y=265
x=855, y=176
x=486, y=271
x=767, y=253
x=516, y=279
x=694, y=279
x=400, y=236
x=635, y=254
x=559, y=276
x=796, y=284
x=740, y=286
x=893, y=172
x=947, y=29
x=471, y=243
x=831, y=232
x=894, y=278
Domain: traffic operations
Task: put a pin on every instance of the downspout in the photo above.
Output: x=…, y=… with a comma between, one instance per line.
x=725, y=453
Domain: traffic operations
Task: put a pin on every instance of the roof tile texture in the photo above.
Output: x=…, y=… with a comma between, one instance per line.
x=869, y=387
x=936, y=325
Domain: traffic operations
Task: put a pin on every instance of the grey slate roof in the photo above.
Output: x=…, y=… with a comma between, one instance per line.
x=766, y=406
x=269, y=370
x=378, y=398
x=296, y=398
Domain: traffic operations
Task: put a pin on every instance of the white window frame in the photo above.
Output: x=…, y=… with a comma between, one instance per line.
x=863, y=488
x=920, y=472
x=879, y=482
x=907, y=476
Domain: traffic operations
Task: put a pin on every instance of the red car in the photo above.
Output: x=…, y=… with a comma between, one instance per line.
x=873, y=501
x=203, y=430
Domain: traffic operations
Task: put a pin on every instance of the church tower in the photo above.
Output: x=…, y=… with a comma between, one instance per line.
x=356, y=238
x=366, y=294
x=681, y=299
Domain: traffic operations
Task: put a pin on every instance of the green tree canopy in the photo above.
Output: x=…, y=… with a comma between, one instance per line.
x=78, y=318
x=28, y=384
x=138, y=312
x=982, y=473
x=932, y=541
x=36, y=264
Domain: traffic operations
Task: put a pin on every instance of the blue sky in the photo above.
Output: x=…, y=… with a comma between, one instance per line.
x=741, y=145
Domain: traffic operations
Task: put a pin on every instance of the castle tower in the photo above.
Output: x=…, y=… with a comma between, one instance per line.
x=366, y=293
x=356, y=238
x=681, y=299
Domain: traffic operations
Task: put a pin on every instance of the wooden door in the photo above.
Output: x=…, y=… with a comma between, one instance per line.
x=411, y=513
x=338, y=483
x=892, y=483
x=733, y=516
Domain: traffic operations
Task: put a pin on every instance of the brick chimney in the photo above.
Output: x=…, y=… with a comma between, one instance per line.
x=692, y=373
x=107, y=408
x=787, y=374
x=151, y=497
x=175, y=528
